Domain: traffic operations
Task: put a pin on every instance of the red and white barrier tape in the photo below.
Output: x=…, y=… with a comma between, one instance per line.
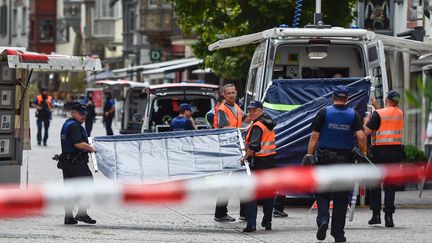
x=17, y=202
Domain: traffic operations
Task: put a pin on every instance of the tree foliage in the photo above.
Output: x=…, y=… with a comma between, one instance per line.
x=212, y=20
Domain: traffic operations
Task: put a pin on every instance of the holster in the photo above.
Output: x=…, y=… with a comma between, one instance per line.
x=326, y=156
x=72, y=158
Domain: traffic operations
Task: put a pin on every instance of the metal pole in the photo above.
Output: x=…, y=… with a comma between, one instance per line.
x=353, y=199
x=318, y=6
x=423, y=180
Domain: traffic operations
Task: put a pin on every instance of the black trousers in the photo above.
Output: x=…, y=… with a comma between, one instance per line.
x=384, y=155
x=279, y=202
x=340, y=204
x=75, y=170
x=340, y=199
x=108, y=125
x=42, y=121
x=89, y=125
x=261, y=163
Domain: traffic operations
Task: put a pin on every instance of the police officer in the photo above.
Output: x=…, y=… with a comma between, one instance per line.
x=75, y=147
x=229, y=114
x=333, y=131
x=43, y=104
x=386, y=126
x=261, y=146
x=91, y=112
x=108, y=113
x=184, y=120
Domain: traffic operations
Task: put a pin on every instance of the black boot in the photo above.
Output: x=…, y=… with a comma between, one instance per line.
x=69, y=218
x=249, y=228
x=267, y=225
x=388, y=220
x=376, y=219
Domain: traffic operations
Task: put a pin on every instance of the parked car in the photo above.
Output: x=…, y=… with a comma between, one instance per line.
x=163, y=102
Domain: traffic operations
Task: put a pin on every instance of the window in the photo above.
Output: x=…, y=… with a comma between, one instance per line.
x=62, y=31
x=14, y=22
x=105, y=10
x=152, y=3
x=46, y=30
x=3, y=20
x=131, y=24
x=24, y=21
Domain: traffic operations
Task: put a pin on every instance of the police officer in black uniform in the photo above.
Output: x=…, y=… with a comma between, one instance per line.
x=333, y=131
x=74, y=157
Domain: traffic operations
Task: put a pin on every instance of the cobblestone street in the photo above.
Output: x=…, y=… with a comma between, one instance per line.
x=191, y=223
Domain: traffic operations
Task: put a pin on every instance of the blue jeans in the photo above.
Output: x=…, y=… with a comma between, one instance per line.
x=45, y=122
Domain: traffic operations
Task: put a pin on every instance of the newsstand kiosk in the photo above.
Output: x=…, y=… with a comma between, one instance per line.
x=16, y=68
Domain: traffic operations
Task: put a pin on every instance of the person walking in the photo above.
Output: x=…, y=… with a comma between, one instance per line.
x=43, y=104
x=91, y=112
x=184, y=120
x=229, y=114
x=333, y=130
x=261, y=149
x=74, y=158
x=386, y=126
x=108, y=113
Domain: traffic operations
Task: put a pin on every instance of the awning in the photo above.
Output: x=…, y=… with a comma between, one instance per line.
x=280, y=33
x=173, y=68
x=405, y=45
x=153, y=65
x=122, y=82
x=100, y=76
x=37, y=61
x=202, y=71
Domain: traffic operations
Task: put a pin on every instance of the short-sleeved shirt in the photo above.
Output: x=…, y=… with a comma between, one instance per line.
x=109, y=103
x=320, y=118
x=75, y=134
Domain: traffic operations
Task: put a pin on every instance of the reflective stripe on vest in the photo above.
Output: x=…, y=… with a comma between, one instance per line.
x=48, y=101
x=234, y=121
x=391, y=126
x=268, y=145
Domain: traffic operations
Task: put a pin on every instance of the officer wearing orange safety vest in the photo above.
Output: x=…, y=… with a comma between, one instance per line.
x=43, y=104
x=386, y=126
x=260, y=144
x=229, y=114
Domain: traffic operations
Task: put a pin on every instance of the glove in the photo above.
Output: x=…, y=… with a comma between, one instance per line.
x=308, y=160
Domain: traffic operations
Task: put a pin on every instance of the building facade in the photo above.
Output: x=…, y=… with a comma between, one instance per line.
x=14, y=23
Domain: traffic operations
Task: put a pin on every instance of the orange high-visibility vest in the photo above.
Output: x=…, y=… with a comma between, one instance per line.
x=268, y=144
x=234, y=121
x=390, y=130
x=48, y=101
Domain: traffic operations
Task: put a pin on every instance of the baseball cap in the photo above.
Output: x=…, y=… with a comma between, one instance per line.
x=394, y=96
x=255, y=104
x=185, y=107
x=82, y=109
x=341, y=91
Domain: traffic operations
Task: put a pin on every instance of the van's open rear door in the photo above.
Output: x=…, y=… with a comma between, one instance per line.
x=376, y=63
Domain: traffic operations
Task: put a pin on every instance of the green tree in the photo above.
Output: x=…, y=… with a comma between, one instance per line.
x=212, y=20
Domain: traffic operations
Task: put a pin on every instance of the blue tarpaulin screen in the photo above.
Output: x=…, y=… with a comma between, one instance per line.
x=293, y=127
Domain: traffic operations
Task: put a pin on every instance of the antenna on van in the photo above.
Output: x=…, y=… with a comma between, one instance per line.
x=318, y=22
x=318, y=16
